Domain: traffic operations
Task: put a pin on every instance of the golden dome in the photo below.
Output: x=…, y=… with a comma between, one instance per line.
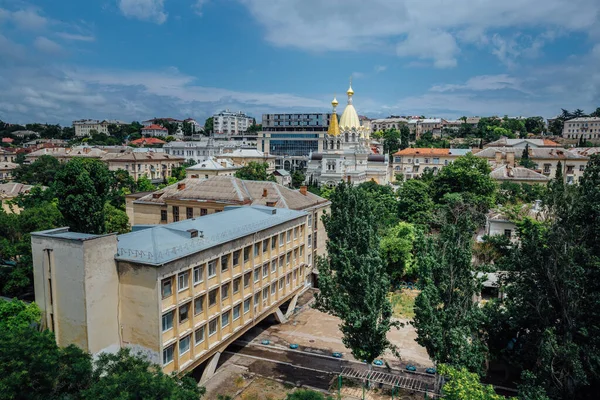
x=350, y=92
x=334, y=102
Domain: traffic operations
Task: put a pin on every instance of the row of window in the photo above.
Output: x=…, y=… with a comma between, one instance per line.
x=434, y=160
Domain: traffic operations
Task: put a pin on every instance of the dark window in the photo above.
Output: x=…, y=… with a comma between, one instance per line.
x=163, y=215
x=203, y=211
x=184, y=312
x=175, y=213
x=189, y=213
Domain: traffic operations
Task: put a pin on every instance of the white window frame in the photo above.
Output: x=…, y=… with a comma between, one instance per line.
x=198, y=274
x=249, y=300
x=170, y=282
x=166, y=351
x=214, y=267
x=189, y=343
x=171, y=313
x=216, y=326
x=186, y=280
x=225, y=314
x=239, y=311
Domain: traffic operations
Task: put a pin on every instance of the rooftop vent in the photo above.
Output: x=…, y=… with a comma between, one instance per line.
x=271, y=203
x=156, y=195
x=180, y=186
x=303, y=190
x=194, y=233
x=265, y=192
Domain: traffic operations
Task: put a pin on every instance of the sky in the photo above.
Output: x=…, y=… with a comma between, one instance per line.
x=62, y=60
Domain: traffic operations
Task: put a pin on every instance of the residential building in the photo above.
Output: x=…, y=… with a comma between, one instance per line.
x=522, y=143
x=388, y=123
x=151, y=141
x=200, y=150
x=155, y=130
x=7, y=140
x=40, y=143
x=283, y=177
x=585, y=127
x=64, y=154
x=193, y=198
x=6, y=170
x=25, y=134
x=347, y=153
x=212, y=167
x=516, y=174
x=227, y=123
x=546, y=160
x=10, y=190
x=154, y=166
x=179, y=293
x=421, y=125
x=412, y=162
x=7, y=155
x=245, y=156
x=84, y=127
x=294, y=136
x=582, y=151
x=499, y=223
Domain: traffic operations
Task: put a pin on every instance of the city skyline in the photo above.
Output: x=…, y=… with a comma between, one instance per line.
x=139, y=59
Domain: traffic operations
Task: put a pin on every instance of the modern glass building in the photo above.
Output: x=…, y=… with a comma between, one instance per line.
x=292, y=135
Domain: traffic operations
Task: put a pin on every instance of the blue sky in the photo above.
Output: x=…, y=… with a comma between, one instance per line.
x=137, y=59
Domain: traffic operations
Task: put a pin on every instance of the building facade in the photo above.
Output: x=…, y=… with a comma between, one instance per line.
x=245, y=156
x=84, y=127
x=154, y=166
x=6, y=170
x=155, y=130
x=227, y=123
x=180, y=300
x=64, y=154
x=586, y=128
x=412, y=162
x=212, y=167
x=292, y=135
x=383, y=124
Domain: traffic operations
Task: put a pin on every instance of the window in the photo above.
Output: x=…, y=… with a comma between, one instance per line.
x=236, y=285
x=168, y=354
x=582, y=168
x=295, y=233
x=315, y=240
x=256, y=300
x=288, y=258
x=281, y=283
x=289, y=236
x=236, y=258
x=265, y=295
x=265, y=270
x=198, y=305
x=295, y=274
x=295, y=255
x=288, y=278
x=184, y=312
x=273, y=242
x=198, y=274
x=508, y=233
x=274, y=266
x=163, y=215
x=257, y=275
x=310, y=259
x=199, y=335
x=546, y=168
x=426, y=161
x=309, y=241
x=225, y=291
x=236, y=312
x=225, y=263
x=203, y=212
x=224, y=319
x=265, y=245
x=256, y=249
x=247, y=279
x=212, y=268
x=167, y=288
x=273, y=288
x=184, y=345
x=281, y=239
x=247, y=305
x=175, y=213
x=167, y=321
x=212, y=327
x=212, y=297
x=183, y=280
x=189, y=213
x=246, y=254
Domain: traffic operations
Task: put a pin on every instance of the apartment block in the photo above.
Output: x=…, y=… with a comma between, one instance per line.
x=179, y=293
x=585, y=127
x=84, y=127
x=412, y=162
x=229, y=123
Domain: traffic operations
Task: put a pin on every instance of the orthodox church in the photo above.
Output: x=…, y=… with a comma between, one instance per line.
x=348, y=153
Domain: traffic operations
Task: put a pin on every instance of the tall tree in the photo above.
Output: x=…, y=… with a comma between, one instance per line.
x=534, y=125
x=525, y=160
x=83, y=187
x=254, y=171
x=596, y=113
x=404, y=137
x=115, y=220
x=209, y=126
x=187, y=129
x=352, y=277
x=41, y=172
x=414, y=202
x=391, y=141
x=396, y=250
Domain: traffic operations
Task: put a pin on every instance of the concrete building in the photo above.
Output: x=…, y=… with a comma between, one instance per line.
x=212, y=167
x=6, y=170
x=64, y=154
x=245, y=156
x=383, y=124
x=155, y=130
x=586, y=127
x=507, y=173
x=193, y=198
x=7, y=155
x=522, y=143
x=84, y=127
x=283, y=177
x=546, y=160
x=180, y=300
x=498, y=222
x=227, y=123
x=412, y=162
x=154, y=166
x=25, y=134
x=293, y=136
x=8, y=191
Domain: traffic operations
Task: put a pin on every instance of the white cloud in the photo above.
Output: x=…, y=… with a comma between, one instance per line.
x=46, y=45
x=482, y=83
x=198, y=6
x=76, y=37
x=29, y=19
x=431, y=30
x=380, y=68
x=146, y=10
x=358, y=75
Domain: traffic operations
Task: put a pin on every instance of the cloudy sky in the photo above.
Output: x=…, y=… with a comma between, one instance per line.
x=136, y=59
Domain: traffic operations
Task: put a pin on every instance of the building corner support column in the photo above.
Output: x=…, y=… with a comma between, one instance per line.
x=210, y=368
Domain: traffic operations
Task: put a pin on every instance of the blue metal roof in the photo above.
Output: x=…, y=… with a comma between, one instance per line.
x=164, y=243
x=459, y=152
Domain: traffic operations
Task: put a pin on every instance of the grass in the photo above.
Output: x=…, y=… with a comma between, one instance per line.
x=403, y=303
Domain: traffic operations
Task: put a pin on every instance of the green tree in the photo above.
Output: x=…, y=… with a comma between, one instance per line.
x=391, y=141
x=41, y=172
x=525, y=160
x=535, y=125
x=115, y=220
x=187, y=128
x=415, y=204
x=298, y=178
x=16, y=314
x=596, y=113
x=208, y=126
x=404, y=137
x=145, y=185
x=128, y=376
x=306, y=394
x=83, y=187
x=464, y=385
x=384, y=202
x=556, y=126
x=397, y=251
x=352, y=277
x=254, y=171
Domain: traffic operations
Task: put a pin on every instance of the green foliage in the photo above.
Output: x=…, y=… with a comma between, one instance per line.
x=83, y=187
x=513, y=193
x=208, y=126
x=352, y=277
x=115, y=220
x=144, y=184
x=525, y=160
x=415, y=204
x=391, y=141
x=464, y=385
x=41, y=172
x=404, y=137
x=298, y=178
x=306, y=394
x=16, y=314
x=254, y=128
x=254, y=171
x=384, y=202
x=396, y=250
x=535, y=125
x=427, y=141
x=187, y=129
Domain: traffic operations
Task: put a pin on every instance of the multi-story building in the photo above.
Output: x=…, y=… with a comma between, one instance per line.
x=546, y=160
x=412, y=162
x=245, y=156
x=227, y=123
x=507, y=173
x=293, y=135
x=7, y=155
x=212, y=167
x=522, y=143
x=84, y=127
x=154, y=166
x=6, y=170
x=25, y=134
x=179, y=293
x=200, y=150
x=64, y=154
x=155, y=130
x=585, y=127
x=388, y=123
x=193, y=198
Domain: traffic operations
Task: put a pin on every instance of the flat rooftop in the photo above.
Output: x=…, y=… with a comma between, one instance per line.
x=165, y=243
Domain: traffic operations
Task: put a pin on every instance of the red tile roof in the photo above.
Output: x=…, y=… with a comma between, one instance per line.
x=548, y=142
x=423, y=151
x=154, y=127
x=7, y=140
x=149, y=141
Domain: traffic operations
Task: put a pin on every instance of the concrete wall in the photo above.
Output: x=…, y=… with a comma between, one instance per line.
x=498, y=227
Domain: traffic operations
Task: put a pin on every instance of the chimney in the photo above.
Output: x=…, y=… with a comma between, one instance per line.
x=181, y=186
x=303, y=190
x=265, y=192
x=510, y=158
x=498, y=157
x=86, y=150
x=271, y=203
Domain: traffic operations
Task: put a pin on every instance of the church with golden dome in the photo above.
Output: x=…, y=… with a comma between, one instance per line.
x=348, y=153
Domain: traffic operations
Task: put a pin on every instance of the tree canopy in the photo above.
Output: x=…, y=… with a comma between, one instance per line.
x=254, y=171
